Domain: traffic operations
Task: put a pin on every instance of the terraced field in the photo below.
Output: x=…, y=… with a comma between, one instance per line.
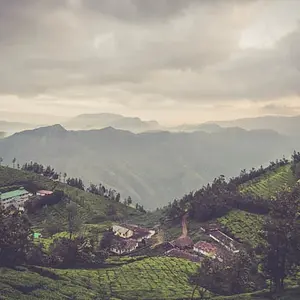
x=244, y=226
x=267, y=186
x=150, y=278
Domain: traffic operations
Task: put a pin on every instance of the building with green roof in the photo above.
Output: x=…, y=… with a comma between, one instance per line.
x=16, y=198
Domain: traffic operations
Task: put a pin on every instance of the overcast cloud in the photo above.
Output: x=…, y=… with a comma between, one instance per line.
x=171, y=60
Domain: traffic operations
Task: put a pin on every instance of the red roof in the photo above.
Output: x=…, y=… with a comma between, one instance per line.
x=44, y=192
x=205, y=246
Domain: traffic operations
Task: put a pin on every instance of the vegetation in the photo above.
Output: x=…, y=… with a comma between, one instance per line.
x=74, y=264
x=244, y=227
x=150, y=278
x=282, y=235
x=91, y=208
x=271, y=183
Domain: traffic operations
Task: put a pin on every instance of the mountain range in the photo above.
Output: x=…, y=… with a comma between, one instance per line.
x=99, y=121
x=152, y=167
x=281, y=124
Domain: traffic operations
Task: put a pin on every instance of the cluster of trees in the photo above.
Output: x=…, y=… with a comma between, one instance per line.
x=41, y=170
x=15, y=237
x=236, y=275
x=76, y=182
x=17, y=246
x=101, y=190
x=282, y=235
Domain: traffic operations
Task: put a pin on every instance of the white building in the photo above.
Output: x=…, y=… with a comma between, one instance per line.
x=122, y=232
x=17, y=198
x=124, y=246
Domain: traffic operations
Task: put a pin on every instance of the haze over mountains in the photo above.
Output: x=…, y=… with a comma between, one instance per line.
x=153, y=167
x=99, y=121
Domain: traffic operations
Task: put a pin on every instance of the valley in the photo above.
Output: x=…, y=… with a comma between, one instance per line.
x=149, y=273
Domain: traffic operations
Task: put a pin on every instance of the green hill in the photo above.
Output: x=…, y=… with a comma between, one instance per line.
x=149, y=278
x=268, y=185
x=92, y=209
x=146, y=278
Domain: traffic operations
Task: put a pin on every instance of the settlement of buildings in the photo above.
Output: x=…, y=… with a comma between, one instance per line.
x=128, y=237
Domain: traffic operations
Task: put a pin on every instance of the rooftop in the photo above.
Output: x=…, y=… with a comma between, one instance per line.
x=205, y=246
x=183, y=241
x=45, y=192
x=120, y=229
x=122, y=244
x=12, y=194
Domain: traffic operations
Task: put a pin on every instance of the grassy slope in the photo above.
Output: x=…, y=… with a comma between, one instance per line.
x=268, y=185
x=245, y=226
x=149, y=278
x=89, y=206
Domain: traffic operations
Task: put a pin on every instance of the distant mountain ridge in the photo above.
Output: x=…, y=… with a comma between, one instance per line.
x=10, y=127
x=282, y=124
x=102, y=120
x=152, y=167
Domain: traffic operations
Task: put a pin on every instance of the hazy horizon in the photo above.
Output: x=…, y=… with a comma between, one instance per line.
x=173, y=61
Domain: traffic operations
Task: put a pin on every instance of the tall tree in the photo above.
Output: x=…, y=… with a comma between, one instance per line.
x=118, y=197
x=73, y=218
x=15, y=237
x=1, y=160
x=129, y=201
x=14, y=162
x=65, y=176
x=282, y=234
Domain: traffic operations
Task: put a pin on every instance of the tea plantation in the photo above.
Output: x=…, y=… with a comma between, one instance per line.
x=149, y=278
x=267, y=186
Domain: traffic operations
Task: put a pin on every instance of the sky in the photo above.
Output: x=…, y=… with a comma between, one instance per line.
x=175, y=61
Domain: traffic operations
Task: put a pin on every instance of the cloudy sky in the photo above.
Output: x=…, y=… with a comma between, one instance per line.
x=172, y=60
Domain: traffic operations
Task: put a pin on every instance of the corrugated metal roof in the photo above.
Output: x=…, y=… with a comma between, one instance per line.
x=13, y=194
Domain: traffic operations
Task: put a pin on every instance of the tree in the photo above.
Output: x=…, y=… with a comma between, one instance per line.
x=1, y=161
x=206, y=278
x=229, y=277
x=15, y=237
x=282, y=235
x=14, y=162
x=67, y=253
x=118, y=197
x=106, y=240
x=65, y=176
x=73, y=219
x=129, y=201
